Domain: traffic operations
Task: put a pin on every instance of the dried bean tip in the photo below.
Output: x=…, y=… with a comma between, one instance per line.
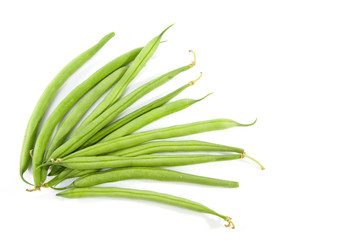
x=230, y=223
x=34, y=189
x=31, y=153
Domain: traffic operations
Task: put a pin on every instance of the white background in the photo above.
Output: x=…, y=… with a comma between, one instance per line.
x=292, y=64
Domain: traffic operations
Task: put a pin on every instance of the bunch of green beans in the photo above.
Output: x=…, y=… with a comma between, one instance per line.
x=108, y=147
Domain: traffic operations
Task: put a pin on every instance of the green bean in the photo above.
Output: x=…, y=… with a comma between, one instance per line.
x=162, y=133
x=159, y=174
x=178, y=146
x=117, y=91
x=131, y=116
x=101, y=162
x=66, y=104
x=80, y=109
x=151, y=116
x=174, y=146
x=47, y=97
x=67, y=173
x=143, y=195
x=74, y=143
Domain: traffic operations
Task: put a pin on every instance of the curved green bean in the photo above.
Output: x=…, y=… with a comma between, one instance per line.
x=117, y=91
x=101, y=162
x=159, y=174
x=162, y=133
x=65, y=105
x=74, y=143
x=143, y=195
x=131, y=116
x=47, y=97
x=80, y=109
x=151, y=116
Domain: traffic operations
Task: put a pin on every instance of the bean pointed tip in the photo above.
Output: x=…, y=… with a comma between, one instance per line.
x=254, y=121
x=204, y=97
x=166, y=29
x=22, y=178
x=108, y=36
x=247, y=125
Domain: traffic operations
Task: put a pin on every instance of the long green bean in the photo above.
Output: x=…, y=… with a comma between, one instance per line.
x=178, y=146
x=143, y=195
x=159, y=174
x=102, y=162
x=174, y=146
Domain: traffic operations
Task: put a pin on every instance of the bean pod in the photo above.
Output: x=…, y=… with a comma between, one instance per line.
x=174, y=146
x=102, y=162
x=142, y=195
x=159, y=174
x=179, y=146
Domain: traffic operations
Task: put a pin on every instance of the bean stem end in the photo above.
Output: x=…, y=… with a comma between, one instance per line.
x=261, y=166
x=194, y=81
x=34, y=189
x=194, y=61
x=229, y=223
